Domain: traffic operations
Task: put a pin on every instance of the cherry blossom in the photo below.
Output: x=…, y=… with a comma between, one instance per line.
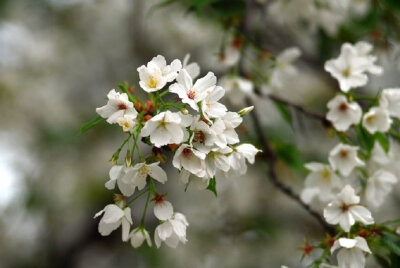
x=343, y=113
x=344, y=158
x=118, y=105
x=390, y=98
x=138, y=236
x=323, y=178
x=377, y=119
x=165, y=128
x=157, y=73
x=114, y=217
x=351, y=252
x=345, y=210
x=191, y=93
x=172, y=231
x=378, y=187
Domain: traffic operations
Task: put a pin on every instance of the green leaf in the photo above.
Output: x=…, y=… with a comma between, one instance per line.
x=382, y=261
x=289, y=154
x=392, y=4
x=91, y=124
x=383, y=141
x=285, y=113
x=366, y=139
x=212, y=186
x=392, y=242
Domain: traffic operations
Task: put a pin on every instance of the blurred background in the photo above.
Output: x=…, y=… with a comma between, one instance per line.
x=58, y=60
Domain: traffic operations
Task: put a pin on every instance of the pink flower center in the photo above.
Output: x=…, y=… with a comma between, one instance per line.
x=344, y=154
x=191, y=94
x=187, y=152
x=199, y=137
x=122, y=106
x=344, y=207
x=159, y=198
x=343, y=107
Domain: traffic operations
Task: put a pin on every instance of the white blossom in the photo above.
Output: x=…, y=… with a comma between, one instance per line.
x=190, y=159
x=342, y=113
x=203, y=137
x=226, y=133
x=323, y=178
x=127, y=122
x=163, y=209
x=390, y=98
x=350, y=67
x=118, y=105
x=284, y=66
x=138, y=236
x=191, y=93
x=345, y=210
x=351, y=253
x=239, y=156
x=157, y=73
x=192, y=68
x=210, y=105
x=114, y=217
x=379, y=186
x=119, y=175
x=217, y=159
x=237, y=88
x=377, y=119
x=137, y=175
x=344, y=158
x=172, y=231
x=230, y=56
x=165, y=128
x=363, y=50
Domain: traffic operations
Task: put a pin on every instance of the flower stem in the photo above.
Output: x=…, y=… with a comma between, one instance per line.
x=147, y=202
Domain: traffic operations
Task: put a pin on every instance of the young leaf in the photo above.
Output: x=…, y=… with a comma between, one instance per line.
x=392, y=242
x=212, y=186
x=91, y=124
x=383, y=141
x=365, y=138
x=285, y=113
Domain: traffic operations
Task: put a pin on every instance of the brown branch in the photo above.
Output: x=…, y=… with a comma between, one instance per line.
x=271, y=159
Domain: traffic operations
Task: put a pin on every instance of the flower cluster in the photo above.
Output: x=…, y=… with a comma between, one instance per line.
x=355, y=176
x=192, y=124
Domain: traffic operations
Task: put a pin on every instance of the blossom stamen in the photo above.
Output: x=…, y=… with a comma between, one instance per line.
x=122, y=106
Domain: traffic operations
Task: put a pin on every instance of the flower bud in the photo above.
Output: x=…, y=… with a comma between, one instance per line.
x=184, y=111
x=237, y=42
x=147, y=117
x=138, y=106
x=149, y=106
x=119, y=199
x=115, y=156
x=245, y=111
x=128, y=158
